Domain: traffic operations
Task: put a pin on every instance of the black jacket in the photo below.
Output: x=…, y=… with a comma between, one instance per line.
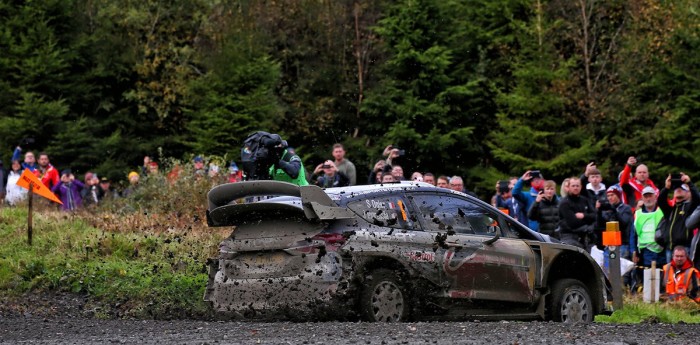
x=568, y=207
x=546, y=213
x=676, y=216
x=621, y=213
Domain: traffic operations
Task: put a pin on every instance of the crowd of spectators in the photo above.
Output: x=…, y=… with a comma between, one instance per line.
x=657, y=225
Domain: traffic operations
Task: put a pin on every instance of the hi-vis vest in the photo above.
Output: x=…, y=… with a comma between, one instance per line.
x=280, y=175
x=679, y=282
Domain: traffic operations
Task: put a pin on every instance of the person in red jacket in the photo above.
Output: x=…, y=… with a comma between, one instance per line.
x=633, y=186
x=47, y=173
x=681, y=277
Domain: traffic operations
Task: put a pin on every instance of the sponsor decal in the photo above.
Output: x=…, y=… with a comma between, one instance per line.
x=420, y=256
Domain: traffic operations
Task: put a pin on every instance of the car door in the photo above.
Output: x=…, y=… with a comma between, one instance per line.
x=475, y=264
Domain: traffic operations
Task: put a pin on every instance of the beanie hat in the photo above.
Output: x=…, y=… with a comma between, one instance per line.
x=615, y=189
x=131, y=174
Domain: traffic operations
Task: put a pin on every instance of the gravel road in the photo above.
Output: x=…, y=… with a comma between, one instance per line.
x=38, y=330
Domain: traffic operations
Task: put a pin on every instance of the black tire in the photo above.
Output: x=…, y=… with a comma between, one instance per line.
x=571, y=302
x=384, y=298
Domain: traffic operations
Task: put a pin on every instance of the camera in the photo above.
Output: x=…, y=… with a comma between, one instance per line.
x=535, y=173
x=402, y=152
x=325, y=166
x=676, y=181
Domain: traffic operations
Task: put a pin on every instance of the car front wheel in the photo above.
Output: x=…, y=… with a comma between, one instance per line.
x=384, y=298
x=571, y=302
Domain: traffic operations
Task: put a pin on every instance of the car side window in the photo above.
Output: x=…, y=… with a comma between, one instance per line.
x=386, y=211
x=442, y=212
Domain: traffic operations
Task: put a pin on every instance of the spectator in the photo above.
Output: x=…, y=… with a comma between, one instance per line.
x=646, y=220
x=497, y=197
x=108, y=192
x=47, y=173
x=443, y=182
x=343, y=165
x=289, y=167
x=15, y=193
x=234, y=174
x=397, y=171
x=92, y=193
x=134, y=179
x=388, y=177
x=29, y=159
x=375, y=176
x=417, y=176
x=457, y=184
x=536, y=181
x=545, y=209
x=519, y=207
x=564, y=188
x=429, y=178
x=576, y=217
x=682, y=279
x=633, y=186
x=198, y=167
x=326, y=175
x=146, y=167
x=686, y=199
x=596, y=194
x=393, y=155
x=152, y=168
x=3, y=183
x=614, y=210
x=68, y=190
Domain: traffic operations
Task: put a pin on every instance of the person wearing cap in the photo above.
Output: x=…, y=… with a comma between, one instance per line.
x=646, y=220
x=685, y=199
x=107, y=190
x=617, y=211
x=68, y=190
x=234, y=174
x=199, y=167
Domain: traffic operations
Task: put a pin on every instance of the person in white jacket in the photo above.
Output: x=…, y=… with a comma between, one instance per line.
x=15, y=193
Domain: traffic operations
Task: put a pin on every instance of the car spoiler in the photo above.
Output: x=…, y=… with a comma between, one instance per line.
x=224, y=211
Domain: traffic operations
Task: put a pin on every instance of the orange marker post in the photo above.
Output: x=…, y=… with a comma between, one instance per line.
x=612, y=238
x=29, y=181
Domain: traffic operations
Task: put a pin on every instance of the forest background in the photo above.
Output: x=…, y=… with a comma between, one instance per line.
x=480, y=88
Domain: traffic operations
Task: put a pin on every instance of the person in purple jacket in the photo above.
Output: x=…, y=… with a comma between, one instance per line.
x=68, y=190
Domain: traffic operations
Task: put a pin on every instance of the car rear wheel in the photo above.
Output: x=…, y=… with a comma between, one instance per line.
x=384, y=298
x=571, y=302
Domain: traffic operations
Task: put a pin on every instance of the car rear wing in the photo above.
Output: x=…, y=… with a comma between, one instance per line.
x=224, y=211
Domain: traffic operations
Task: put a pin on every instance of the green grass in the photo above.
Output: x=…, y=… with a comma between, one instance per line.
x=146, y=271
x=635, y=311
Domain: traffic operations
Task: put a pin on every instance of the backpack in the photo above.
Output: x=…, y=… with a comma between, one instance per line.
x=258, y=154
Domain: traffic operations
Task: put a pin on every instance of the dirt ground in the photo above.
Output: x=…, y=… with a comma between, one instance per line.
x=67, y=319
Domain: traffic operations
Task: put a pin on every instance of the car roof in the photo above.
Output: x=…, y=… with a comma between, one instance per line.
x=351, y=192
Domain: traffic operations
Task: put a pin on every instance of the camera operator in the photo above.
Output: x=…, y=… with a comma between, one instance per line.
x=288, y=167
x=326, y=175
x=686, y=199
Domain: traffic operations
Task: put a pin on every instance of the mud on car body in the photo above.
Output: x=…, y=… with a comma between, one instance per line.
x=389, y=252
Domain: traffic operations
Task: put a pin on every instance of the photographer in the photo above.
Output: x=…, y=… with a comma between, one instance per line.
x=68, y=190
x=686, y=199
x=393, y=155
x=326, y=175
x=536, y=182
x=288, y=167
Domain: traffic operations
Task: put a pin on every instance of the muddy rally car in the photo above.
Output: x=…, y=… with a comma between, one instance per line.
x=389, y=252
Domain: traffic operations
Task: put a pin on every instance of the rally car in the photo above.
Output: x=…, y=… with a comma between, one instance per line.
x=391, y=252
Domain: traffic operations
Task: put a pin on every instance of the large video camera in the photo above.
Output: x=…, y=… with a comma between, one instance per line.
x=260, y=151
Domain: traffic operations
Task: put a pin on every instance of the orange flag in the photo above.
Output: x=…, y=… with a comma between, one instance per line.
x=39, y=188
